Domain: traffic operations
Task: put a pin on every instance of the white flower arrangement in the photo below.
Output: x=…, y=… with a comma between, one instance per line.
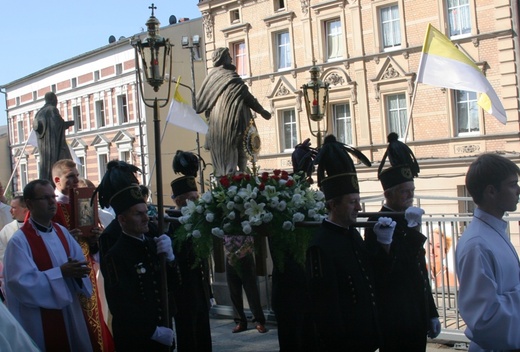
x=243, y=204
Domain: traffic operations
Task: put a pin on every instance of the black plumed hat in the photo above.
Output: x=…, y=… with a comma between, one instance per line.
x=302, y=159
x=185, y=163
x=119, y=187
x=403, y=165
x=336, y=171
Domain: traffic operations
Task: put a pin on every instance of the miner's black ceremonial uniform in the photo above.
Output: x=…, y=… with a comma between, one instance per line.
x=132, y=274
x=341, y=289
x=403, y=287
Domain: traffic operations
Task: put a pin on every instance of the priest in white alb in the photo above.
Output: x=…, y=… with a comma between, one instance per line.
x=45, y=273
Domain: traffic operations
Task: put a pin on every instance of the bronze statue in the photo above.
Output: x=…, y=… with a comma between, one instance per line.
x=227, y=103
x=50, y=130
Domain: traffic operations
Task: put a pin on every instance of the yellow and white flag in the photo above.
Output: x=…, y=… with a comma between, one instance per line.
x=183, y=115
x=443, y=65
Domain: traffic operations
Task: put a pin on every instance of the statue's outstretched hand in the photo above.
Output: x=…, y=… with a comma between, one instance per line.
x=266, y=114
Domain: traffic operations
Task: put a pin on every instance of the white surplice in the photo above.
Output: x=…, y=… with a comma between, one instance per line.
x=13, y=337
x=28, y=288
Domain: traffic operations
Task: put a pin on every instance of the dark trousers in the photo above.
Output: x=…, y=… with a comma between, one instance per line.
x=412, y=341
x=296, y=330
x=243, y=275
x=193, y=331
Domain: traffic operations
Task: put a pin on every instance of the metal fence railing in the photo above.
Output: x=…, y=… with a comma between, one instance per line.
x=443, y=232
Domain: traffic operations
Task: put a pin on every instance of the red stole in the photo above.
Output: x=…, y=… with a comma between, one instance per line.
x=54, y=329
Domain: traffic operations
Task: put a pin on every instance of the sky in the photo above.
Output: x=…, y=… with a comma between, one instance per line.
x=38, y=34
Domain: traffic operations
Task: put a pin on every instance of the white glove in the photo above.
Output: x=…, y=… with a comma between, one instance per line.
x=384, y=230
x=414, y=216
x=212, y=302
x=164, y=245
x=435, y=328
x=164, y=336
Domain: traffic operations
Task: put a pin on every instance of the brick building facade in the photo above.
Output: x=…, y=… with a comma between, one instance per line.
x=369, y=51
x=98, y=91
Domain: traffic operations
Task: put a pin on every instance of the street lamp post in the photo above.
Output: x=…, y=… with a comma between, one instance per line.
x=194, y=51
x=154, y=53
x=316, y=98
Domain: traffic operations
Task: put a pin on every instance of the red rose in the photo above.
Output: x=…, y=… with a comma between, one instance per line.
x=265, y=176
x=261, y=187
x=277, y=172
x=285, y=175
x=289, y=183
x=275, y=177
x=247, y=177
x=224, y=181
x=237, y=178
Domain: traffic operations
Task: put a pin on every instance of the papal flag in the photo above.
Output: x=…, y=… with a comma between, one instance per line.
x=443, y=65
x=183, y=115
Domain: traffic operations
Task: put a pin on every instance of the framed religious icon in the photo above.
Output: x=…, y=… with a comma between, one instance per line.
x=83, y=215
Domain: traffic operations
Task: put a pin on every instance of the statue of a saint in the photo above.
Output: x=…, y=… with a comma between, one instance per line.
x=50, y=130
x=227, y=103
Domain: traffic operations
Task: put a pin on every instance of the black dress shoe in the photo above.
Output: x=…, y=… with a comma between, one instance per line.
x=239, y=328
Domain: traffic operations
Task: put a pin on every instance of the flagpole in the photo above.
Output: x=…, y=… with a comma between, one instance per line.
x=153, y=165
x=410, y=111
x=166, y=124
x=17, y=164
x=194, y=106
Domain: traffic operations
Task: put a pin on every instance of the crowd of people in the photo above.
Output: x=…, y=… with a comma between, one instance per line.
x=67, y=290
x=120, y=283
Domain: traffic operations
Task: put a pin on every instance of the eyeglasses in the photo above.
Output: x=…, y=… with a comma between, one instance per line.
x=47, y=198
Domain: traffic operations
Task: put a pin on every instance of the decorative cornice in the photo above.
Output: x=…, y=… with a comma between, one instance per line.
x=328, y=5
x=243, y=27
x=122, y=137
x=100, y=140
x=282, y=90
x=467, y=149
x=283, y=16
x=390, y=72
x=78, y=143
x=335, y=79
x=19, y=152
